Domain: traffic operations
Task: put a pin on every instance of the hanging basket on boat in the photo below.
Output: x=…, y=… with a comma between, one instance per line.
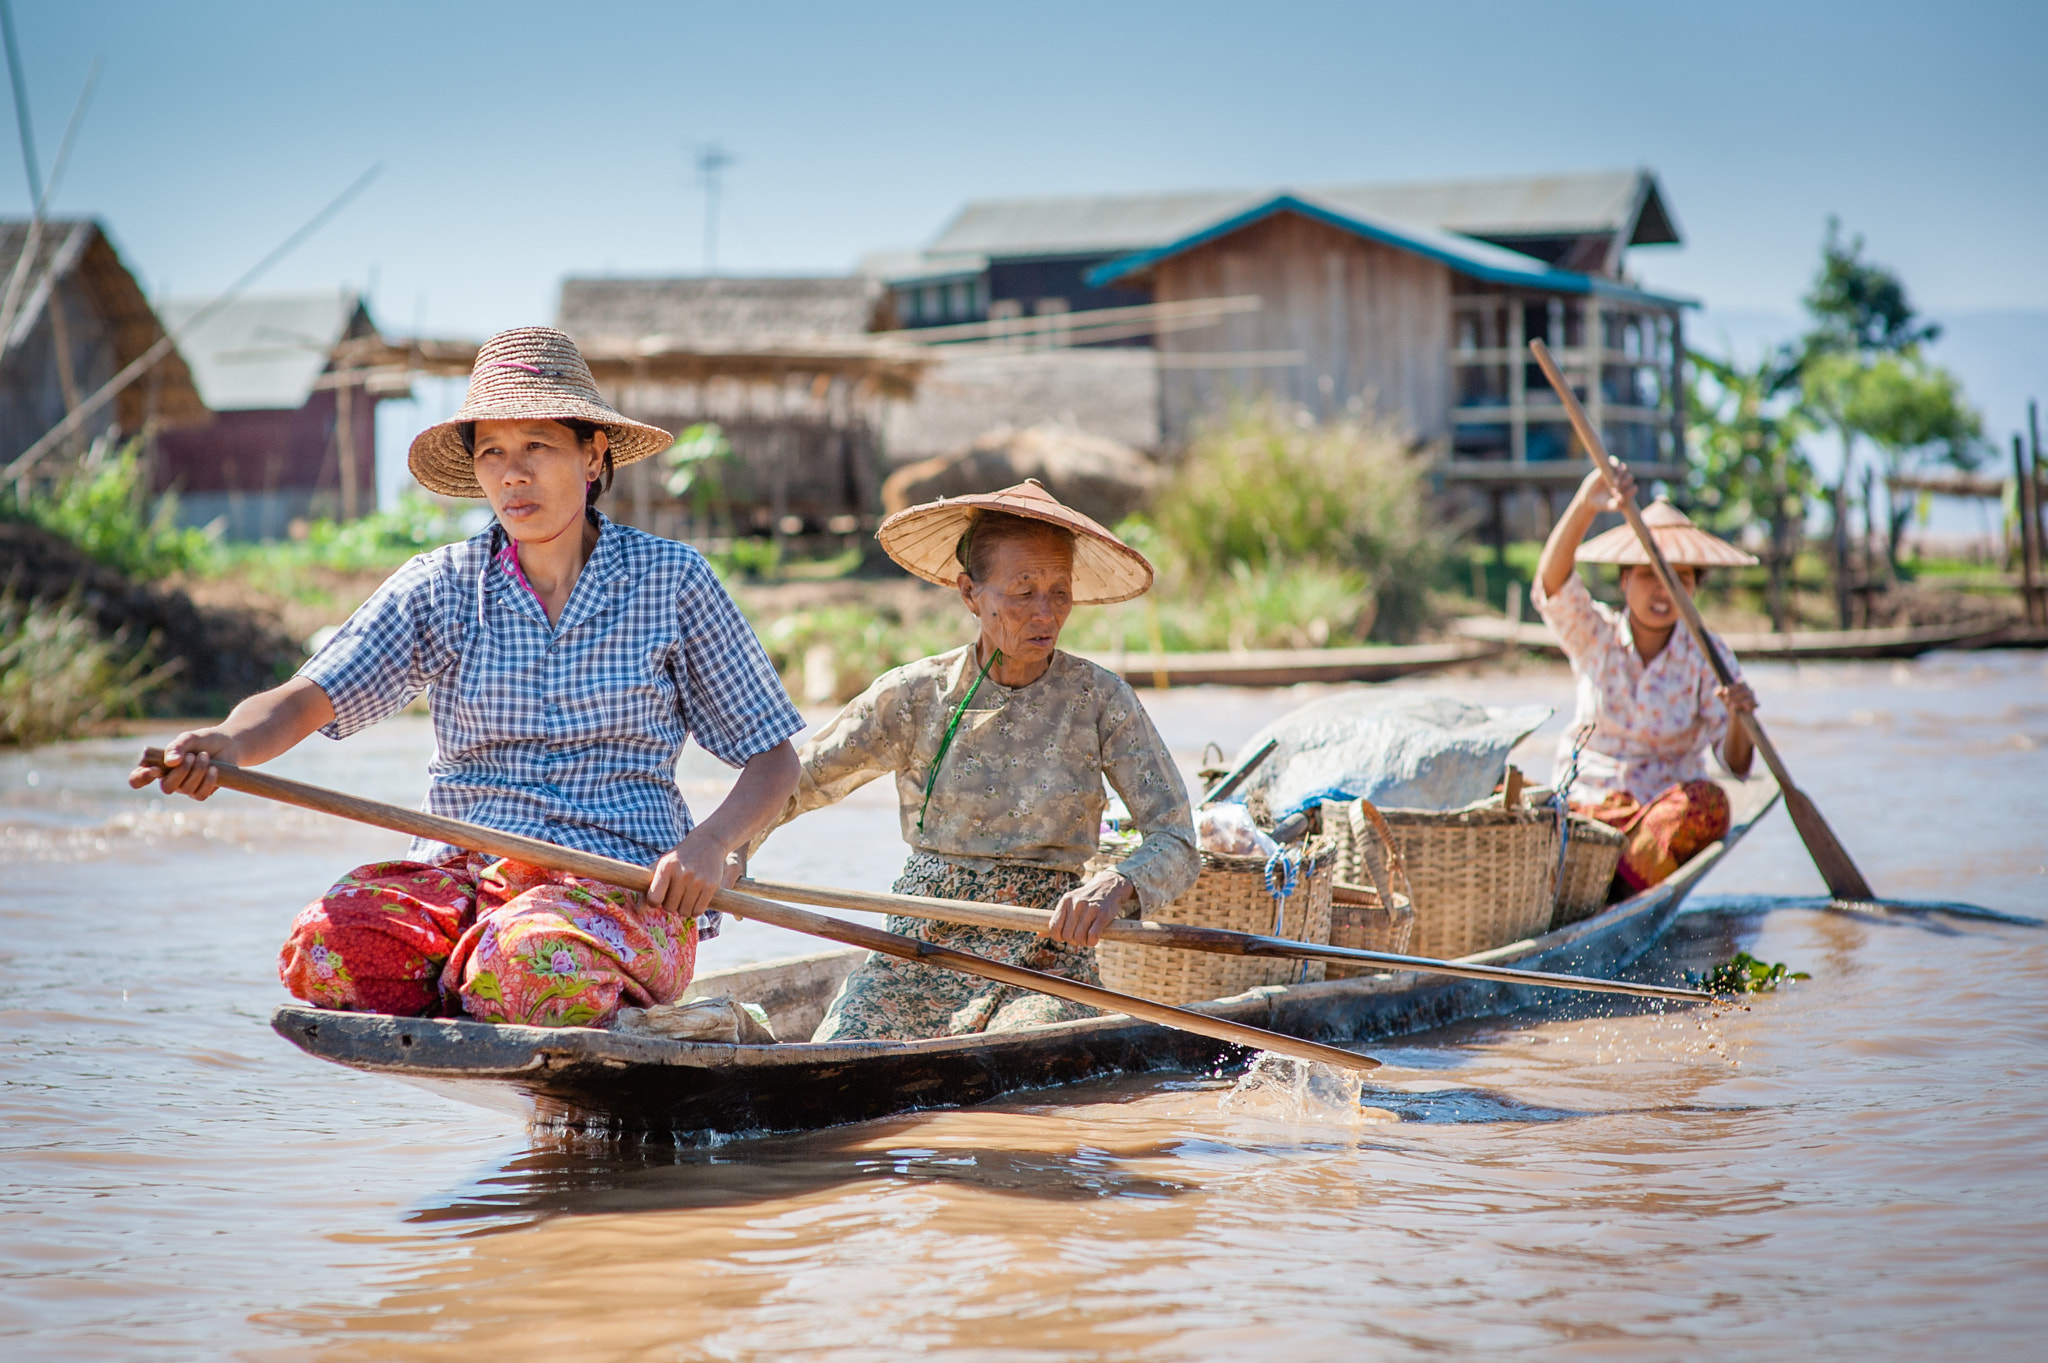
x=1367, y=911
x=1482, y=876
x=1238, y=893
x=1592, y=852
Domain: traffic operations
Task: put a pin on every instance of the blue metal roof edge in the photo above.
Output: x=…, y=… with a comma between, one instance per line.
x=1448, y=252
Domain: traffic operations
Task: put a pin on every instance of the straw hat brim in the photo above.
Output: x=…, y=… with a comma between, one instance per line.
x=923, y=539
x=1684, y=546
x=442, y=465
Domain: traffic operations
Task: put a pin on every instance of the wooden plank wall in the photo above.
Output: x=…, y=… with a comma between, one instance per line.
x=1371, y=322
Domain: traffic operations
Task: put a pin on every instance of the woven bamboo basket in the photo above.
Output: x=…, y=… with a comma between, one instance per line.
x=1230, y=893
x=1379, y=918
x=1482, y=876
x=1592, y=851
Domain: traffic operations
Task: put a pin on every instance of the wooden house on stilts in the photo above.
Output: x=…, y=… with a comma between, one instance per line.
x=1413, y=300
x=294, y=430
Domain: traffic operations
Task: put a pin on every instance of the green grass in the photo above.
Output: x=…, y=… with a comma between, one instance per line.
x=59, y=676
x=104, y=509
x=833, y=652
x=1267, y=512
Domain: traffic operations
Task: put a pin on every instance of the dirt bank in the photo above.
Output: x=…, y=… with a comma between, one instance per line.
x=223, y=654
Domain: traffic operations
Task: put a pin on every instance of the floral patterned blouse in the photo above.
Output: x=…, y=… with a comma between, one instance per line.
x=1022, y=782
x=1651, y=722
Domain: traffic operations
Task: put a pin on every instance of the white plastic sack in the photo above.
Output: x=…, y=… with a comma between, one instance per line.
x=1227, y=830
x=1400, y=750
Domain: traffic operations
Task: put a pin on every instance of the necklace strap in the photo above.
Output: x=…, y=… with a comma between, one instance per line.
x=945, y=744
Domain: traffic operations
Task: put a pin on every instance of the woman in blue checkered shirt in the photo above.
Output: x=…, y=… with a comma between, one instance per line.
x=568, y=660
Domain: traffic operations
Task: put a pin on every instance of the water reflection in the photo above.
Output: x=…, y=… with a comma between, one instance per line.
x=1850, y=1164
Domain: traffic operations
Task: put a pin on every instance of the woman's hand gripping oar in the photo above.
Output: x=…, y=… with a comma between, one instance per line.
x=1187, y=937
x=1845, y=883
x=534, y=852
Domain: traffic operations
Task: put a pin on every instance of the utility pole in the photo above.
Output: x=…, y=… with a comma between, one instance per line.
x=712, y=159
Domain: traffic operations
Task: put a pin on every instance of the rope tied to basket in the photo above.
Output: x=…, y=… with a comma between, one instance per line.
x=1290, y=877
x=1560, y=801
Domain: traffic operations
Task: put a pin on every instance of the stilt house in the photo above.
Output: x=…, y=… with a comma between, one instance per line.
x=785, y=367
x=294, y=431
x=1416, y=300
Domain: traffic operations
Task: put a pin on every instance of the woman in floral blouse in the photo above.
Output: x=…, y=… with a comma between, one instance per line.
x=1649, y=704
x=999, y=751
x=567, y=660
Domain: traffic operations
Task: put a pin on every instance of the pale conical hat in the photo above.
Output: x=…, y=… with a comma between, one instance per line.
x=1685, y=545
x=924, y=539
x=526, y=374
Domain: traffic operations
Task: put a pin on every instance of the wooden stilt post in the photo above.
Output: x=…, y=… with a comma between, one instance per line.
x=345, y=438
x=2030, y=531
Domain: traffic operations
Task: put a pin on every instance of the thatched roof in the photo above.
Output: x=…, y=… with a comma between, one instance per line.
x=721, y=312
x=78, y=250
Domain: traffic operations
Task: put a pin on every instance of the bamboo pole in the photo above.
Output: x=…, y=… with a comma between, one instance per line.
x=1188, y=937
x=1844, y=881
x=534, y=852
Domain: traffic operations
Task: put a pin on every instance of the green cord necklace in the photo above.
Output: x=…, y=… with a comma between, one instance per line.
x=952, y=727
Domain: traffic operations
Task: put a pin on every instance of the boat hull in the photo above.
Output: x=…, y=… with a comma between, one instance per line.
x=607, y=1081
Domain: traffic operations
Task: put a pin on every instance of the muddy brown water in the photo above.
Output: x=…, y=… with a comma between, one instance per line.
x=1852, y=1169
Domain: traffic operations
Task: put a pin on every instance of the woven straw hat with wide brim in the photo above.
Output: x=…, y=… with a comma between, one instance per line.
x=526, y=374
x=1685, y=545
x=923, y=539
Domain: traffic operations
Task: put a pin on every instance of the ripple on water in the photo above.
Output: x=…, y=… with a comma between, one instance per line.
x=1594, y=1175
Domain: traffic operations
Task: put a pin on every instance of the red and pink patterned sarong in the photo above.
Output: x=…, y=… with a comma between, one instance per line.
x=1665, y=833
x=498, y=940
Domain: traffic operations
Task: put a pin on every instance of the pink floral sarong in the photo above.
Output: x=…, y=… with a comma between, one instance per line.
x=499, y=940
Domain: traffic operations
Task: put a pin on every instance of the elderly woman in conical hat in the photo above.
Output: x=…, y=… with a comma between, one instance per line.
x=1649, y=704
x=567, y=659
x=999, y=750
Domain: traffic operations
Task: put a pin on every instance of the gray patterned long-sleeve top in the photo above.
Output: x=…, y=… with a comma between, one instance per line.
x=1022, y=782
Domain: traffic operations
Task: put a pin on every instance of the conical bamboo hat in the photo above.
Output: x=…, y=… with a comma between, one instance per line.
x=924, y=538
x=1684, y=544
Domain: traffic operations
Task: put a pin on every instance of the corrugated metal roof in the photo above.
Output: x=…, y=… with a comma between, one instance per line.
x=1470, y=257
x=1524, y=206
x=263, y=351
x=1541, y=205
x=1084, y=225
x=720, y=310
x=920, y=267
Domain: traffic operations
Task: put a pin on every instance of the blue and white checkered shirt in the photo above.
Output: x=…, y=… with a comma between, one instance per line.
x=571, y=733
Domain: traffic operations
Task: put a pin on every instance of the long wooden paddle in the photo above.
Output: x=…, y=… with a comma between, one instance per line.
x=1188, y=937
x=534, y=852
x=1844, y=881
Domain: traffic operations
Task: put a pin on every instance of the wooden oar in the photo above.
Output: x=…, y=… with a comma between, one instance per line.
x=534, y=852
x=1844, y=881
x=1188, y=937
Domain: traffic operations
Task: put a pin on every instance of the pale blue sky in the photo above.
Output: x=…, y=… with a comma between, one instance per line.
x=526, y=141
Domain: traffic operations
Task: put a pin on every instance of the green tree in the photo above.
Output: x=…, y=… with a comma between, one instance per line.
x=1747, y=465
x=1915, y=414
x=1862, y=375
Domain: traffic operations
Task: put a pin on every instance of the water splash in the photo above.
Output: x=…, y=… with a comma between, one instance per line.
x=1295, y=1091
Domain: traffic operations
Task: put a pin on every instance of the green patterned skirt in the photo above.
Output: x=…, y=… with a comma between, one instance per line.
x=886, y=999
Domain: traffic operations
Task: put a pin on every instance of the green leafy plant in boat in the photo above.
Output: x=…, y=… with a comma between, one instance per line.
x=1744, y=974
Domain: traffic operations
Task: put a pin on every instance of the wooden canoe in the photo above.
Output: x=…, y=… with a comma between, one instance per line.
x=692, y=1092
x=1290, y=666
x=1798, y=646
